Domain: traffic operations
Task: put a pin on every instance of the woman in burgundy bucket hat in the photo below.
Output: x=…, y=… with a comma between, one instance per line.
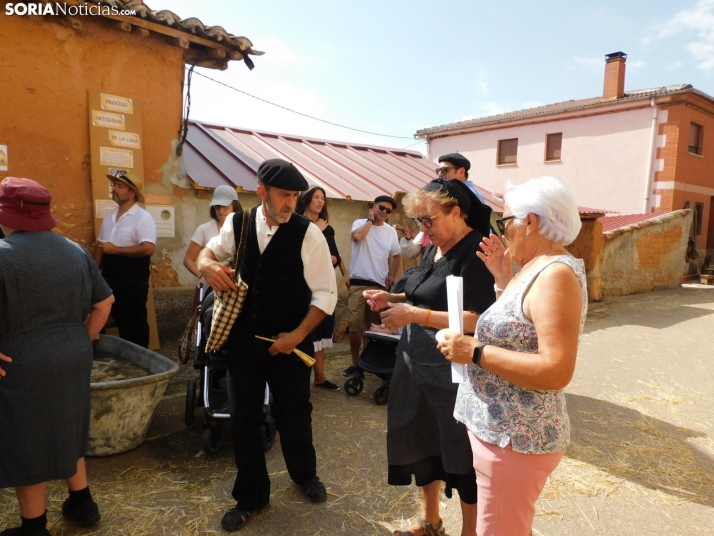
x=53, y=302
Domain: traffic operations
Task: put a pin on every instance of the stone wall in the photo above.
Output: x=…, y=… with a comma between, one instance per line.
x=645, y=256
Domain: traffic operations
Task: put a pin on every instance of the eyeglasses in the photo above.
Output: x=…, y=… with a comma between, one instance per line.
x=426, y=221
x=384, y=209
x=444, y=170
x=501, y=223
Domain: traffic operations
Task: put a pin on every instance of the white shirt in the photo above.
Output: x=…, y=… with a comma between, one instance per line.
x=370, y=256
x=133, y=227
x=315, y=254
x=205, y=232
x=202, y=235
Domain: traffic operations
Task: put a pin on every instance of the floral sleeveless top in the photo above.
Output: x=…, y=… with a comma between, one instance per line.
x=497, y=411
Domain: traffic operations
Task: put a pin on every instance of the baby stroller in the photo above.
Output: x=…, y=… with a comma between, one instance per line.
x=378, y=358
x=212, y=389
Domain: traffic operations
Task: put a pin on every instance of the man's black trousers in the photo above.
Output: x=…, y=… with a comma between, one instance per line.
x=250, y=366
x=129, y=308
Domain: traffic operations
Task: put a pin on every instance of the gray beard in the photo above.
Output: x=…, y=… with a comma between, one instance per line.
x=276, y=216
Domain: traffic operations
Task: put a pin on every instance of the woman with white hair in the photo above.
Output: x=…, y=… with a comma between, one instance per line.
x=522, y=355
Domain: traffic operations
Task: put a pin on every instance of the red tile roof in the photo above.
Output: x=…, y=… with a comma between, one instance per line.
x=610, y=223
x=215, y=155
x=559, y=107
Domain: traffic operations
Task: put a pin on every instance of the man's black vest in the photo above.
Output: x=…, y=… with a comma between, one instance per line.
x=278, y=297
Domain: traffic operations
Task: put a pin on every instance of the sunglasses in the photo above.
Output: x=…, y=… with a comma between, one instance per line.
x=384, y=209
x=501, y=223
x=444, y=170
x=426, y=221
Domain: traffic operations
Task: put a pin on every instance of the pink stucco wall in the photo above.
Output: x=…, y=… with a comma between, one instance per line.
x=605, y=158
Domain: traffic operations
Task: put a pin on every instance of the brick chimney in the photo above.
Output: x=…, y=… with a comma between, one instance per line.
x=614, y=86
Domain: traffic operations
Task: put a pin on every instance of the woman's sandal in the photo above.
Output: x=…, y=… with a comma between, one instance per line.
x=429, y=529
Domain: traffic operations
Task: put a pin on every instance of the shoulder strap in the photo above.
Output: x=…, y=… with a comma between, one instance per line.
x=242, y=238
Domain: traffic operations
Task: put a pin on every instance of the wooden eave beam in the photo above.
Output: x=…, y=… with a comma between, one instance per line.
x=228, y=50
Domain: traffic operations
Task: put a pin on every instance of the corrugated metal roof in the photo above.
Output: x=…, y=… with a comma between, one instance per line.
x=559, y=107
x=215, y=155
x=610, y=223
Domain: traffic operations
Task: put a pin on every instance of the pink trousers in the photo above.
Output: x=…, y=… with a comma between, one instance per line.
x=509, y=484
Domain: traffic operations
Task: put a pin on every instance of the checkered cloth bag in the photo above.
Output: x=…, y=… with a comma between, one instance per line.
x=228, y=304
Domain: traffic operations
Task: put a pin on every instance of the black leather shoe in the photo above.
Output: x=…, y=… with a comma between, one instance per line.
x=85, y=514
x=16, y=530
x=315, y=490
x=236, y=518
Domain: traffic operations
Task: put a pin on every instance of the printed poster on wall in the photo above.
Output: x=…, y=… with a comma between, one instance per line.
x=3, y=157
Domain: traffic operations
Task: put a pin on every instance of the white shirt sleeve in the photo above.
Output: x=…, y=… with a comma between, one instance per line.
x=411, y=248
x=104, y=230
x=223, y=245
x=146, y=230
x=199, y=236
x=318, y=270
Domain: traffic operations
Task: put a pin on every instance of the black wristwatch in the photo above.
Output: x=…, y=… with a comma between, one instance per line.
x=477, y=354
x=372, y=221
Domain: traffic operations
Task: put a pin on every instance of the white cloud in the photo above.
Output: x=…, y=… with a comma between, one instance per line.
x=589, y=62
x=492, y=108
x=700, y=19
x=635, y=64
x=481, y=85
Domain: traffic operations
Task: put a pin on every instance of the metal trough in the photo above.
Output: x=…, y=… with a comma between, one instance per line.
x=121, y=411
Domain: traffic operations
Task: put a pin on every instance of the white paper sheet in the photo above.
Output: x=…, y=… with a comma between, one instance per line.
x=455, y=297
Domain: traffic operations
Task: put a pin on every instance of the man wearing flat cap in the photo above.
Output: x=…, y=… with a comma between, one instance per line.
x=453, y=166
x=372, y=244
x=124, y=248
x=291, y=287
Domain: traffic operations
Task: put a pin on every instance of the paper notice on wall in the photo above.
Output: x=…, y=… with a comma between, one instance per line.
x=115, y=103
x=108, y=120
x=455, y=300
x=102, y=207
x=109, y=156
x=124, y=139
x=3, y=157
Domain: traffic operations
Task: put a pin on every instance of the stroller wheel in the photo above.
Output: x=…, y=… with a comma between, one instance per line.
x=267, y=433
x=190, y=402
x=381, y=395
x=354, y=385
x=213, y=438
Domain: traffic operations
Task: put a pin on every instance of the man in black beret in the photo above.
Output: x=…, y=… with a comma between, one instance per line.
x=291, y=287
x=454, y=166
x=372, y=244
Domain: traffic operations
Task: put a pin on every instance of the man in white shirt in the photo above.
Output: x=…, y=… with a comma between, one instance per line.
x=291, y=287
x=454, y=166
x=372, y=244
x=124, y=248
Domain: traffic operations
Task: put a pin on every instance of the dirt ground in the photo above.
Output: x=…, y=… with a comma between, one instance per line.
x=641, y=459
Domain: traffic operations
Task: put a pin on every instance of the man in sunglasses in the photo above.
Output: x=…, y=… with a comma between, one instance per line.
x=453, y=166
x=372, y=244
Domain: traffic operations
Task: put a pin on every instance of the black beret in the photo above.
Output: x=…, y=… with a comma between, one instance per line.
x=478, y=213
x=459, y=160
x=281, y=174
x=387, y=199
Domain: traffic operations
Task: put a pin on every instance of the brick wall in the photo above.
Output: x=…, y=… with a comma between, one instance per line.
x=693, y=174
x=645, y=256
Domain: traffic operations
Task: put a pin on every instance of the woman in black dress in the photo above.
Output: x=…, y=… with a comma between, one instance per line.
x=53, y=302
x=313, y=205
x=423, y=438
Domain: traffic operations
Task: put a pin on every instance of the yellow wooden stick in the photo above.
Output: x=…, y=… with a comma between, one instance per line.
x=309, y=361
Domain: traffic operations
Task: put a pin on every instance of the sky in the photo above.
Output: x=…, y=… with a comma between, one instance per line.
x=394, y=67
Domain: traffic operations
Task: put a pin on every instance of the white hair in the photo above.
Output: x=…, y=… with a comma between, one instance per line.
x=550, y=199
